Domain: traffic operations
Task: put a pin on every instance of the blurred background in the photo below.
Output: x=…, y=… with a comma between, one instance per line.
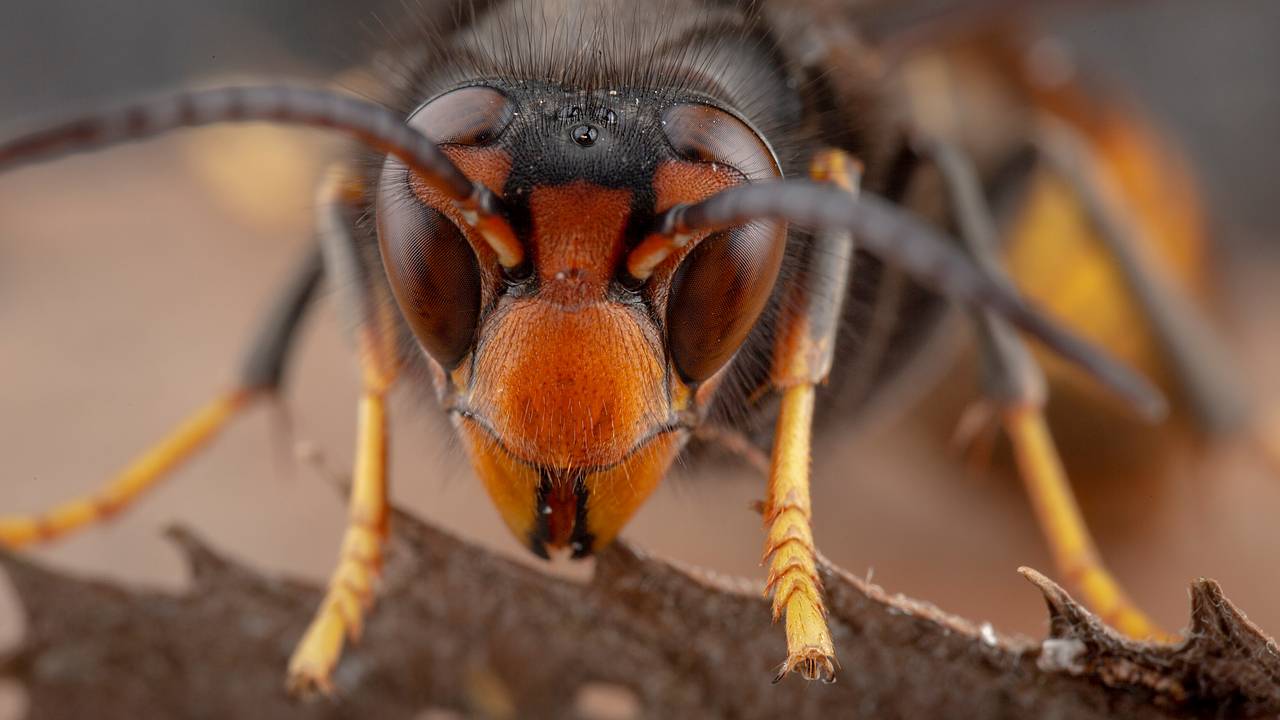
x=130, y=279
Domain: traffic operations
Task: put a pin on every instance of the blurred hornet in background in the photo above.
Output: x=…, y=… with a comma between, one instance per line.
x=603, y=229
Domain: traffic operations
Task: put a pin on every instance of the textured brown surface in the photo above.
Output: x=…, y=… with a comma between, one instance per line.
x=462, y=629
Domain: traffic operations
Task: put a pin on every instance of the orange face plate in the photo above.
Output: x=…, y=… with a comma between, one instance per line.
x=567, y=405
x=569, y=387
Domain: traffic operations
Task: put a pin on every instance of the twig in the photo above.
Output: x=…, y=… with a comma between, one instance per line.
x=460, y=628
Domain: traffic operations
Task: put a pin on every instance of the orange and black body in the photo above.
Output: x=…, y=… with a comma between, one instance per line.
x=1127, y=261
x=573, y=387
x=599, y=227
x=566, y=384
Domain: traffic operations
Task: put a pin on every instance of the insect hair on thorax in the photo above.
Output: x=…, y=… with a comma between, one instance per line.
x=668, y=48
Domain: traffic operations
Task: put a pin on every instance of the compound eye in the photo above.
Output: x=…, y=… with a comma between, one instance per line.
x=433, y=271
x=723, y=284
x=474, y=115
x=703, y=133
x=717, y=295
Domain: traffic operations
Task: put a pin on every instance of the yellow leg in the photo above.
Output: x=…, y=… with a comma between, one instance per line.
x=802, y=359
x=1063, y=526
x=1016, y=390
x=141, y=475
x=350, y=591
x=793, y=574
